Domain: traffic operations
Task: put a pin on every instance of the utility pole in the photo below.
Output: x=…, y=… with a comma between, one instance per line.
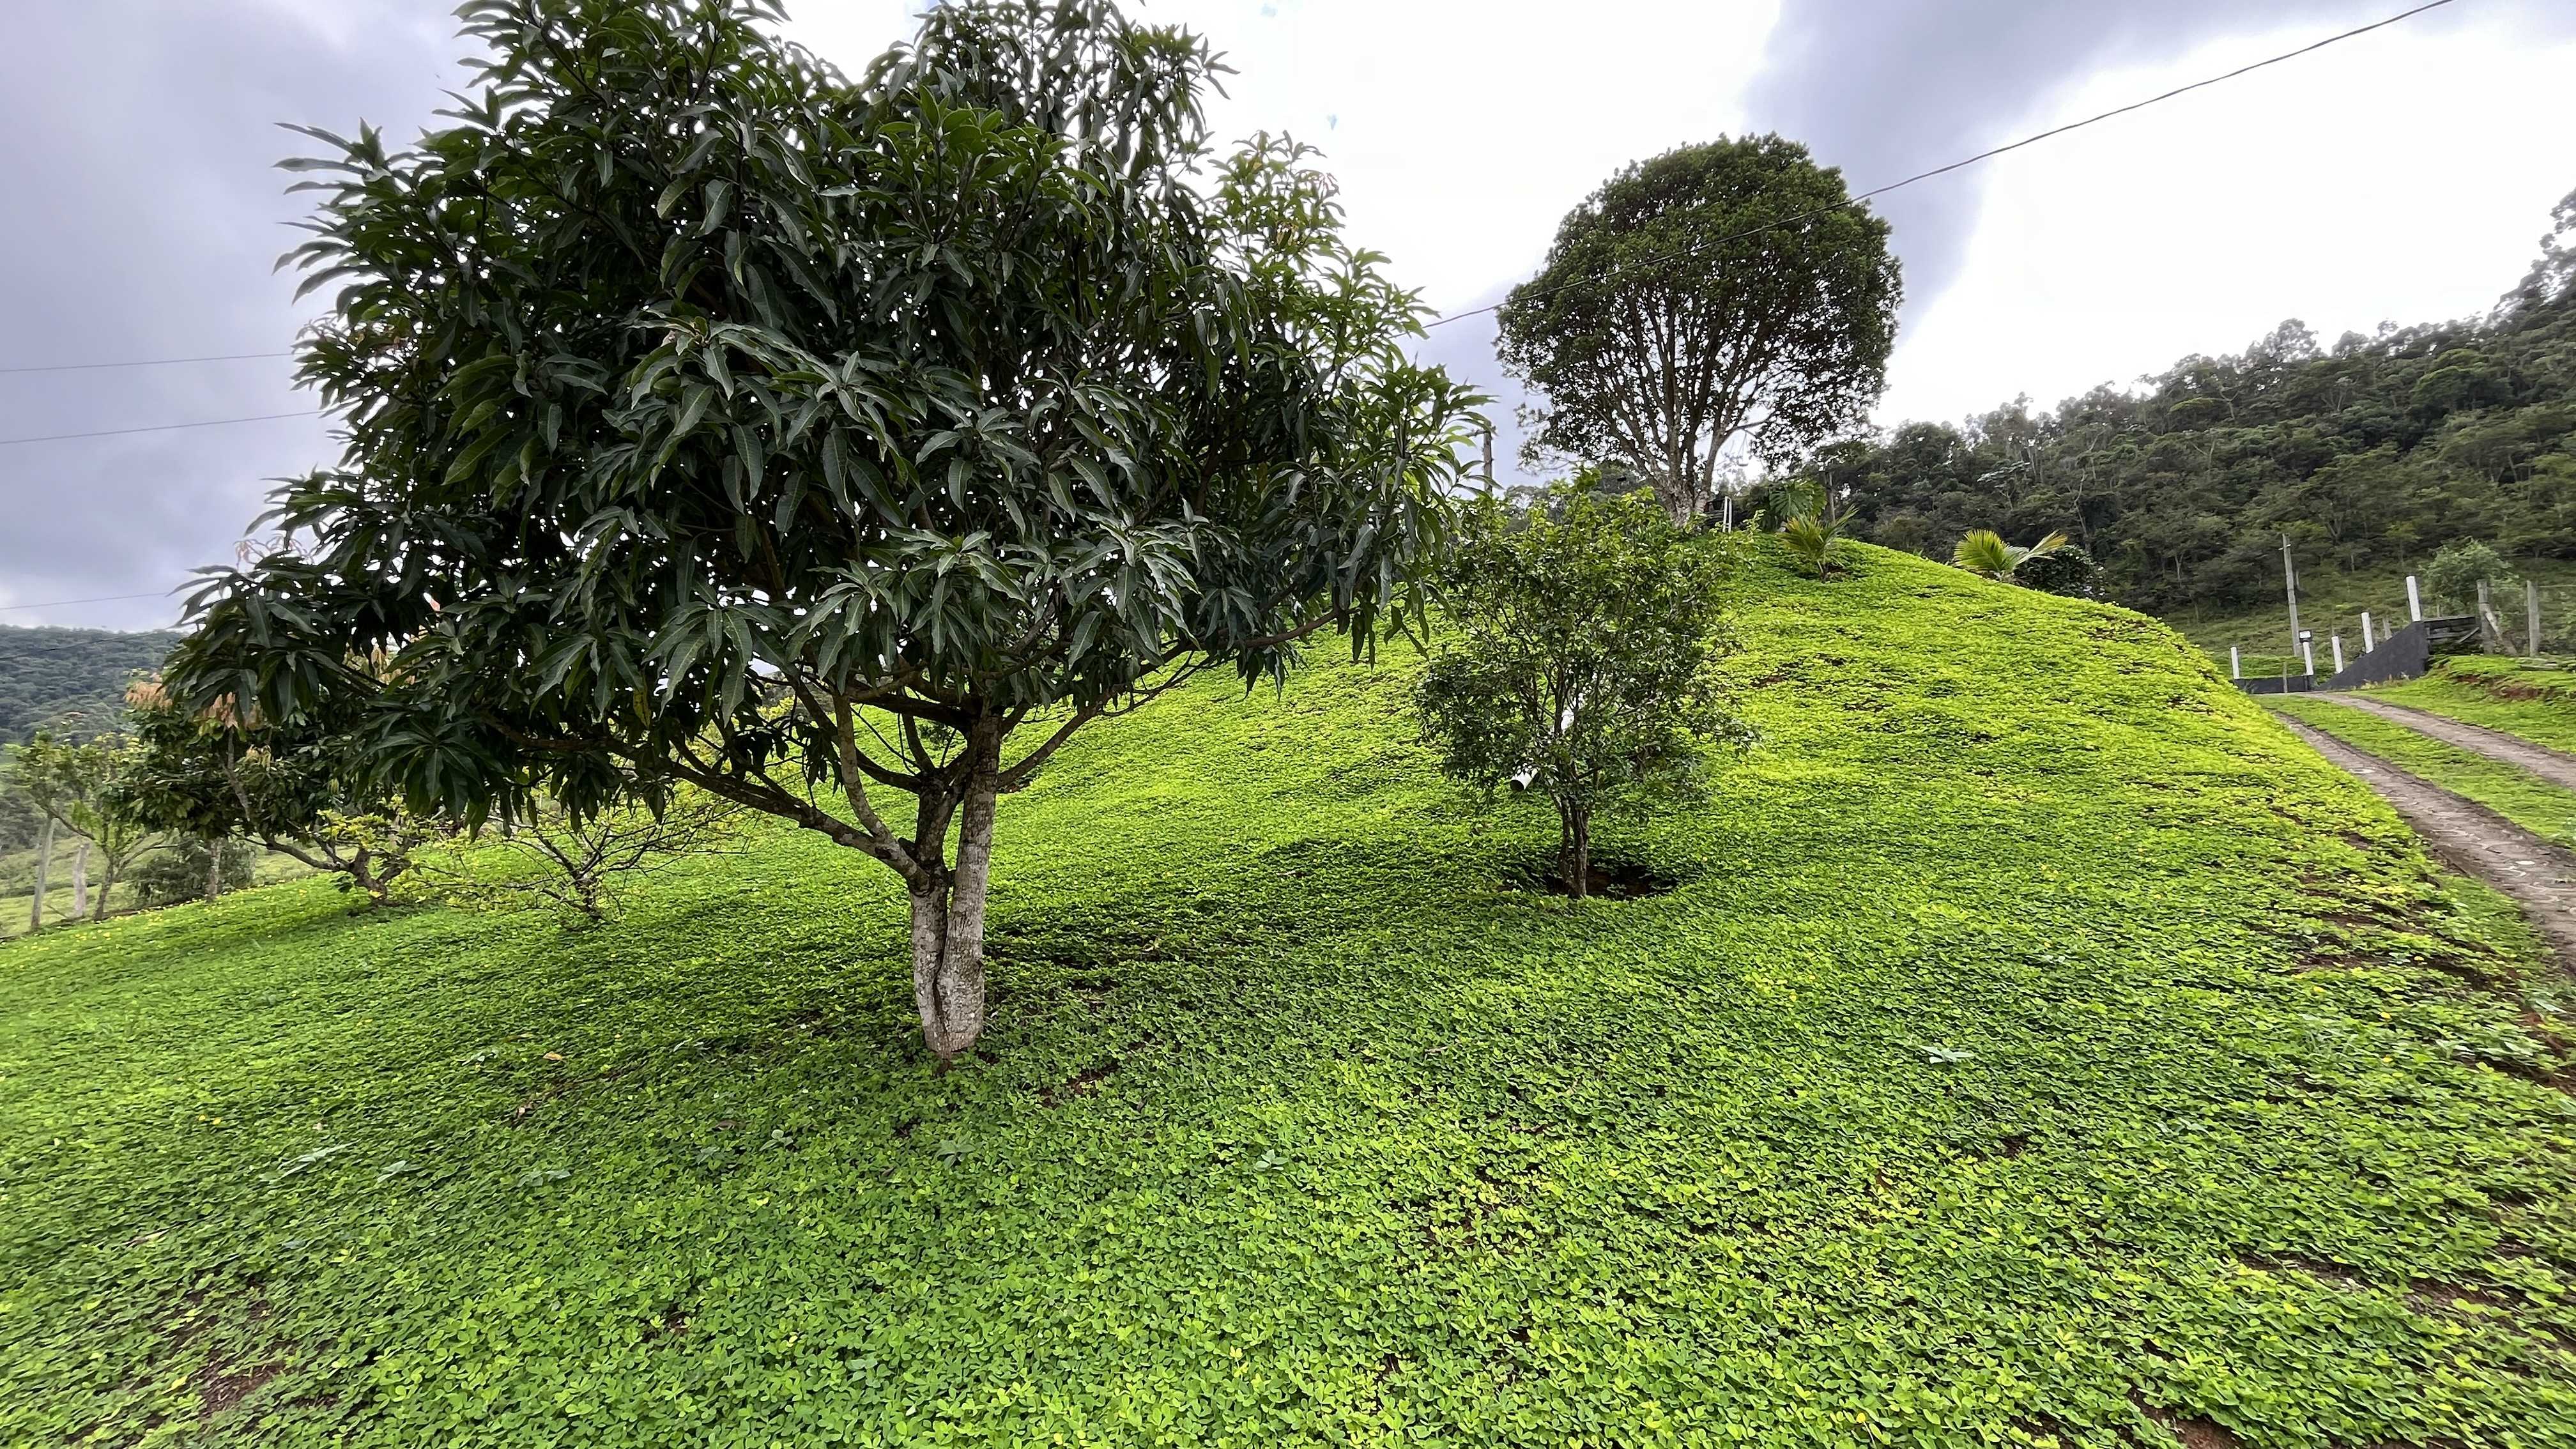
x=2290, y=577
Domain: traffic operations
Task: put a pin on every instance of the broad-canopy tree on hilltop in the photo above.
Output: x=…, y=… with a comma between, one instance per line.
x=1716, y=294
x=714, y=419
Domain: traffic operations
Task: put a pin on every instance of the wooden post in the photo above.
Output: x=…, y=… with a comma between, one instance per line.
x=2490, y=633
x=2235, y=663
x=2338, y=653
x=2366, y=644
x=2531, y=607
x=2414, y=601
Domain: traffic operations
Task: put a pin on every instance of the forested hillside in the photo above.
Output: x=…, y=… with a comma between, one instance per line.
x=72, y=677
x=2370, y=453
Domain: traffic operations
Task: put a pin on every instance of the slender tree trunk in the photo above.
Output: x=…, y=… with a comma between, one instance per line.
x=1574, y=847
x=80, y=881
x=44, y=861
x=215, y=870
x=948, y=919
x=106, y=886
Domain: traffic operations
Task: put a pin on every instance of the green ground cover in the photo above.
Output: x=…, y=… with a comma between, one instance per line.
x=2533, y=803
x=2041, y=1045
x=2535, y=700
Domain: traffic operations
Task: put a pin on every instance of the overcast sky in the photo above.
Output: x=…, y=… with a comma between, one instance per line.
x=2404, y=175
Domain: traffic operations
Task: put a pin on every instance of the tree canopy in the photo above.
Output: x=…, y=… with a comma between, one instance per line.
x=1716, y=294
x=714, y=418
x=1582, y=663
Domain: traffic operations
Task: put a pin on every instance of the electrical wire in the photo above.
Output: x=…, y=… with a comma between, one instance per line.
x=2030, y=140
x=146, y=362
x=67, y=603
x=161, y=427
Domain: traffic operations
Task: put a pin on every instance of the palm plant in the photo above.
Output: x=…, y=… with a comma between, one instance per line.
x=1984, y=553
x=1812, y=526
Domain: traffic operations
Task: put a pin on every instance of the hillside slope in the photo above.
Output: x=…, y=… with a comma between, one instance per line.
x=2041, y=1046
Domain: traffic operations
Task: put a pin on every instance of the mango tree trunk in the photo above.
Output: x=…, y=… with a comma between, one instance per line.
x=948, y=916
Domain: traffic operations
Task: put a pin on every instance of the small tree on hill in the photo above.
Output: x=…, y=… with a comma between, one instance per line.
x=715, y=419
x=1713, y=294
x=2455, y=572
x=1582, y=666
x=578, y=866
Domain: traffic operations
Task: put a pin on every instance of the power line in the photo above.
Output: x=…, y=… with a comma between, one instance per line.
x=162, y=427
x=2031, y=140
x=146, y=362
x=67, y=603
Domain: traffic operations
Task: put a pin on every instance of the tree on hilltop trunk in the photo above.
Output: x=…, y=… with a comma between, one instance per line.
x=715, y=420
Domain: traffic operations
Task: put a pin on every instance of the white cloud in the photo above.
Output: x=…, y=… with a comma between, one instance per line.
x=2401, y=177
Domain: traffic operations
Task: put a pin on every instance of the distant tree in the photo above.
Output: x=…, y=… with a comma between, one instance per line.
x=2551, y=283
x=1984, y=553
x=307, y=789
x=193, y=869
x=577, y=865
x=1715, y=294
x=715, y=420
x=1581, y=666
x=77, y=785
x=2455, y=572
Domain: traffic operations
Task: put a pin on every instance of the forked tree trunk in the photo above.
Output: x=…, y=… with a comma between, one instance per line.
x=948, y=919
x=1574, y=847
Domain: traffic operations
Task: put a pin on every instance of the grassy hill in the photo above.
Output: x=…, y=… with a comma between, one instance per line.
x=2040, y=1046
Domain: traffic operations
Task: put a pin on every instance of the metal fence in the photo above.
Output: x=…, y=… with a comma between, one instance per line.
x=2529, y=618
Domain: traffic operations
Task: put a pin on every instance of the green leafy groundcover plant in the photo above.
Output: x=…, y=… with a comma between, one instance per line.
x=2516, y=794
x=2043, y=1045
x=2519, y=697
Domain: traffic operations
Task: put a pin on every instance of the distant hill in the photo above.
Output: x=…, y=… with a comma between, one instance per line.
x=73, y=678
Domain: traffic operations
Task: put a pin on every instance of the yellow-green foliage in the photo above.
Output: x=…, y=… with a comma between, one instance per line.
x=2516, y=794
x=2040, y=1037
x=2534, y=700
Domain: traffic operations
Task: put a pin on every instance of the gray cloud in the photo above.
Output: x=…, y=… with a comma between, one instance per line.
x=144, y=219
x=1888, y=88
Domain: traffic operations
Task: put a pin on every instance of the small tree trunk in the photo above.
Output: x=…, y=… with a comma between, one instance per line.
x=948, y=919
x=80, y=881
x=214, y=869
x=1574, y=847
x=106, y=886
x=44, y=860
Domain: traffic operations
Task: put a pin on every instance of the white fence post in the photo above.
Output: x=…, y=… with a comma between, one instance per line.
x=2308, y=656
x=2338, y=653
x=2414, y=600
x=2235, y=663
x=2366, y=644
